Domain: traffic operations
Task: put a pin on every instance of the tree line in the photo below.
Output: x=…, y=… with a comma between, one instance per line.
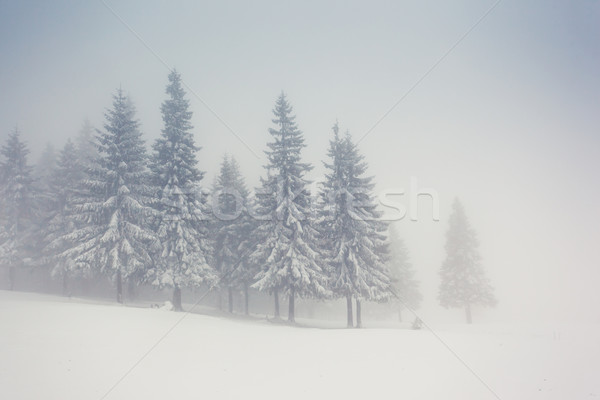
x=106, y=206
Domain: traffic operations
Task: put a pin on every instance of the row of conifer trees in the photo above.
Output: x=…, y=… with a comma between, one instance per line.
x=109, y=207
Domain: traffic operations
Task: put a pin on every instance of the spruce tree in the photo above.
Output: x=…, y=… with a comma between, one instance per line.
x=463, y=280
x=332, y=223
x=63, y=186
x=43, y=173
x=112, y=210
x=353, y=237
x=17, y=202
x=287, y=251
x=182, y=224
x=406, y=287
x=231, y=231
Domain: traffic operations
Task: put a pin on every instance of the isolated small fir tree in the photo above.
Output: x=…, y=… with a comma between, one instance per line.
x=463, y=280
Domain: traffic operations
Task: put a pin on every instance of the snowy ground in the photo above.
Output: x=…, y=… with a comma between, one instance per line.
x=55, y=348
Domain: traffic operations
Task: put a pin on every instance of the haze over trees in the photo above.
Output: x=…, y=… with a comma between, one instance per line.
x=44, y=167
x=463, y=280
x=104, y=208
x=86, y=145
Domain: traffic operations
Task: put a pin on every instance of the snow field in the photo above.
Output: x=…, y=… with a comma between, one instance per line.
x=55, y=348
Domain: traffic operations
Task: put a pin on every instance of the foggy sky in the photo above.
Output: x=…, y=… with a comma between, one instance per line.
x=508, y=121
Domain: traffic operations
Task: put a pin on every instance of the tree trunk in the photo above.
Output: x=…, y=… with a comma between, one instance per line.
x=358, y=314
x=119, y=287
x=177, y=299
x=220, y=299
x=468, y=313
x=230, y=299
x=11, y=277
x=291, y=308
x=399, y=315
x=350, y=323
x=246, y=309
x=65, y=284
x=276, y=297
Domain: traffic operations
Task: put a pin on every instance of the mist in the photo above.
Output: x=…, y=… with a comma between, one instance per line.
x=493, y=103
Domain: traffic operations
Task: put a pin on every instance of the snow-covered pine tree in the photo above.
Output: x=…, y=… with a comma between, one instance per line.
x=463, y=281
x=332, y=224
x=43, y=171
x=263, y=210
x=182, y=224
x=112, y=211
x=406, y=287
x=353, y=237
x=17, y=205
x=288, y=248
x=231, y=230
x=60, y=187
x=63, y=185
x=247, y=269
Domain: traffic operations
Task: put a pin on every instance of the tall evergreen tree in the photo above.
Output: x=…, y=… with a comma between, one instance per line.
x=406, y=287
x=231, y=230
x=247, y=269
x=63, y=187
x=288, y=242
x=112, y=210
x=353, y=236
x=463, y=281
x=43, y=172
x=182, y=224
x=332, y=223
x=17, y=202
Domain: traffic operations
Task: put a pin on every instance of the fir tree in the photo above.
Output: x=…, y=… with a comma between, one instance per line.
x=463, y=281
x=17, y=201
x=43, y=172
x=63, y=186
x=247, y=269
x=353, y=237
x=287, y=251
x=406, y=287
x=112, y=210
x=231, y=230
x=182, y=225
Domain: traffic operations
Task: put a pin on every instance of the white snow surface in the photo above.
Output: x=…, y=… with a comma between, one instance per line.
x=57, y=348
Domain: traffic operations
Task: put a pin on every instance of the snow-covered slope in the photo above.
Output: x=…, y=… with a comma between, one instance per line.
x=55, y=348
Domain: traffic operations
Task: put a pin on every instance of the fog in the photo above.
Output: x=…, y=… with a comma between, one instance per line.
x=501, y=112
